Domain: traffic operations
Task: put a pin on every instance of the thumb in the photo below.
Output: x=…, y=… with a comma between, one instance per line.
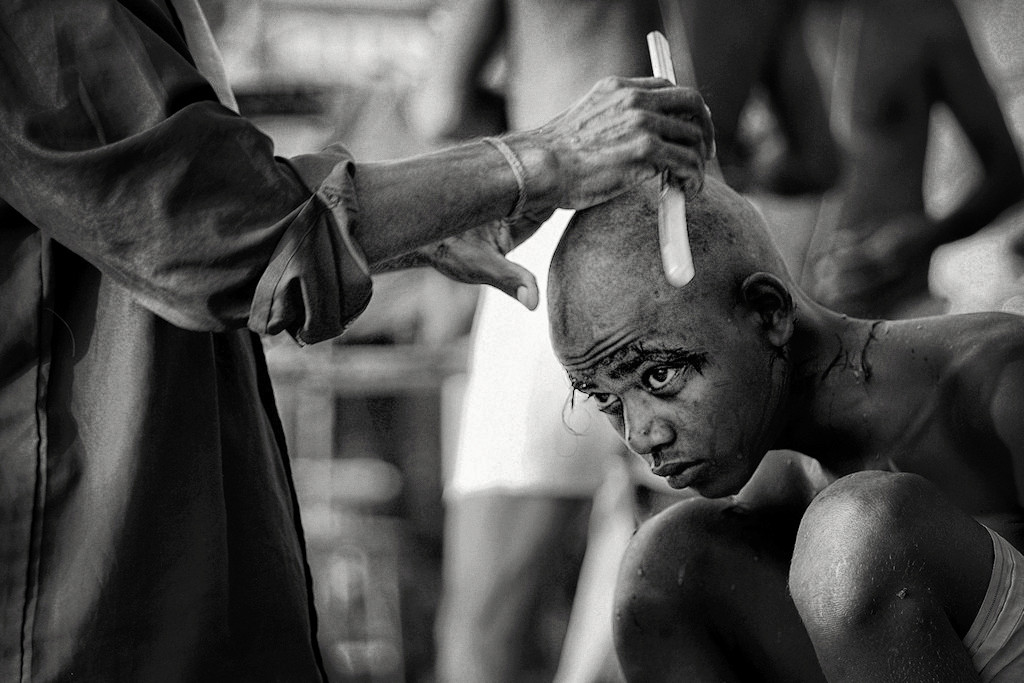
x=516, y=281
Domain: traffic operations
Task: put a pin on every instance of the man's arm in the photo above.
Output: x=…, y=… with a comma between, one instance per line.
x=810, y=164
x=452, y=102
x=114, y=145
x=961, y=83
x=620, y=134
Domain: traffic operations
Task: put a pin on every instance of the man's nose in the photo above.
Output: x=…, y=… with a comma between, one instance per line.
x=645, y=430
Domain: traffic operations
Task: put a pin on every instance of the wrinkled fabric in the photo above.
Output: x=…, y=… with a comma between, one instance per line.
x=995, y=641
x=148, y=523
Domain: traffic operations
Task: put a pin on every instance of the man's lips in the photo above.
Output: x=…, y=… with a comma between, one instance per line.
x=678, y=473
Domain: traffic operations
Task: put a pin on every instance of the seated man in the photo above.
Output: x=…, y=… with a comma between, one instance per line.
x=864, y=559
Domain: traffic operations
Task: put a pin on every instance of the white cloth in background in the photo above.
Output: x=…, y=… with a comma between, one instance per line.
x=516, y=432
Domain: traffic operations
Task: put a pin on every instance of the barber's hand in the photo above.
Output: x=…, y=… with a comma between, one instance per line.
x=477, y=256
x=625, y=131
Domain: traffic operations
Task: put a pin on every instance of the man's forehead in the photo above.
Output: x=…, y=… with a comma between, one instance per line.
x=616, y=364
x=595, y=322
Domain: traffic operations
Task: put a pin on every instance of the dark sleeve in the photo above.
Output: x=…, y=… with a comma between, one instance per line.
x=112, y=144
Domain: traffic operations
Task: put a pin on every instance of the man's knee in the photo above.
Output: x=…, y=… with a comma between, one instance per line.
x=680, y=562
x=855, y=546
x=662, y=580
x=669, y=547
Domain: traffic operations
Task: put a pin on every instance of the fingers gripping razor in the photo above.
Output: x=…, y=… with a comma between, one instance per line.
x=676, y=258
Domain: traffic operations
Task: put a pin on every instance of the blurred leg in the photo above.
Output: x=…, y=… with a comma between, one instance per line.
x=499, y=550
x=587, y=652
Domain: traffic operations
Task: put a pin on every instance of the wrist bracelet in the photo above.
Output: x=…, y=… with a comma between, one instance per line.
x=519, y=171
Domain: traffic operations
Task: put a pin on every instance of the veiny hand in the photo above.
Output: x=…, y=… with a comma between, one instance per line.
x=625, y=131
x=477, y=256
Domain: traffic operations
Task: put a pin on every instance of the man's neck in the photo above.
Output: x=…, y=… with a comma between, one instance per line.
x=832, y=387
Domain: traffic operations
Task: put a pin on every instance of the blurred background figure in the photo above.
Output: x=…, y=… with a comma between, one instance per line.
x=461, y=95
x=752, y=63
x=889, y=64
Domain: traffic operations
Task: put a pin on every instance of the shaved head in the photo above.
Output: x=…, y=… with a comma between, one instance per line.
x=606, y=272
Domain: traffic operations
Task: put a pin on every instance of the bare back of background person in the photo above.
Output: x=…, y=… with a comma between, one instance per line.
x=735, y=51
x=756, y=70
x=894, y=62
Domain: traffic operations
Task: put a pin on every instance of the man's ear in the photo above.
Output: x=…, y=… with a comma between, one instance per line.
x=768, y=297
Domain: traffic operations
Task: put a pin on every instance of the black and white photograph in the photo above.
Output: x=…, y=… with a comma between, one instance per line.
x=512, y=341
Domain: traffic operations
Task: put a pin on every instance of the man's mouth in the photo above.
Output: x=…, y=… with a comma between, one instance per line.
x=678, y=474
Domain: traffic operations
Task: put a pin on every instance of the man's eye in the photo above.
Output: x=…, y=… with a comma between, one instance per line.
x=606, y=403
x=660, y=377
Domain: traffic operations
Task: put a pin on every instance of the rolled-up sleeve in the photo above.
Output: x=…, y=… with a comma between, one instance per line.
x=317, y=276
x=113, y=145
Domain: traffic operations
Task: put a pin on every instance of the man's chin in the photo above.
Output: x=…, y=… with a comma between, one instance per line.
x=708, y=478
x=715, y=489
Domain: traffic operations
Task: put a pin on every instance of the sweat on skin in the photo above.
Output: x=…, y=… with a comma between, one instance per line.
x=915, y=423
x=599, y=322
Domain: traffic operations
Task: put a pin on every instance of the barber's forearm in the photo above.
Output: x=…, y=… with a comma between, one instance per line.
x=624, y=131
x=411, y=202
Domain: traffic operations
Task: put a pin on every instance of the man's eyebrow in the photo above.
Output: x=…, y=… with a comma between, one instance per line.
x=674, y=356
x=628, y=359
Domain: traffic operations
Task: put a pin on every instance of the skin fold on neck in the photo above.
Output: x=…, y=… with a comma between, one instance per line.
x=838, y=374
